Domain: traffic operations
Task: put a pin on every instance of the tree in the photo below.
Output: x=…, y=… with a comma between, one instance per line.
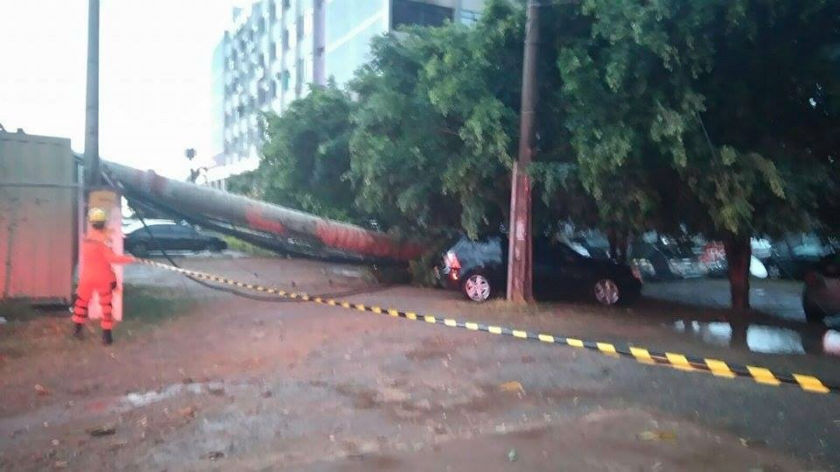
x=306, y=156
x=436, y=124
x=721, y=115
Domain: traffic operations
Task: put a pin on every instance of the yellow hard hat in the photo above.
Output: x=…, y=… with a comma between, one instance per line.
x=97, y=215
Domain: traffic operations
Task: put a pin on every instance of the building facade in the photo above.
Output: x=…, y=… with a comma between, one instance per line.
x=276, y=49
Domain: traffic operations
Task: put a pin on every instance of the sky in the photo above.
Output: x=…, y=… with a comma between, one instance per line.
x=155, y=75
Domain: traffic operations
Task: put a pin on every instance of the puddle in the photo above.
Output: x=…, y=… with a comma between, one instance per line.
x=140, y=399
x=137, y=400
x=764, y=339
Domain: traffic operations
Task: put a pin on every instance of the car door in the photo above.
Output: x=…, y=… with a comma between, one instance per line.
x=160, y=238
x=555, y=274
x=185, y=238
x=544, y=270
x=573, y=271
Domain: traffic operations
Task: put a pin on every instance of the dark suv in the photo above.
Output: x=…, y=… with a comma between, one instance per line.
x=479, y=270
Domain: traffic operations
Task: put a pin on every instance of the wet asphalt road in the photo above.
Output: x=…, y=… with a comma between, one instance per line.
x=785, y=419
x=780, y=298
x=320, y=388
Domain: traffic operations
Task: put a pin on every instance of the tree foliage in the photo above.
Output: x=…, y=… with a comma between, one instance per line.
x=720, y=115
x=436, y=124
x=307, y=154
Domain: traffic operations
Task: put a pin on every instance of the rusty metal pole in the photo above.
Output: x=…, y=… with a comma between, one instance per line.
x=520, y=254
x=92, y=173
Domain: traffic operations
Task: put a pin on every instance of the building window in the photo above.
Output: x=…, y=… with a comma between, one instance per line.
x=285, y=76
x=299, y=77
x=469, y=17
x=286, y=4
x=300, y=27
x=285, y=40
x=409, y=12
x=272, y=51
x=308, y=27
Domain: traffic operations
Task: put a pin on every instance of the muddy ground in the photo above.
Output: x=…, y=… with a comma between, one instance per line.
x=204, y=380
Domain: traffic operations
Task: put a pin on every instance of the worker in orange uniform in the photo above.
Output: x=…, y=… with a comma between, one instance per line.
x=97, y=275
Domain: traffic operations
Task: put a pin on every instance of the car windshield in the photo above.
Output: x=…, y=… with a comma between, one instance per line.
x=489, y=248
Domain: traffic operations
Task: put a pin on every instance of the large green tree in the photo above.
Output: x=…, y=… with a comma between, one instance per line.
x=306, y=156
x=436, y=124
x=720, y=115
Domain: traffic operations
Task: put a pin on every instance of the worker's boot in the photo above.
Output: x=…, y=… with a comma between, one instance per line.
x=77, y=330
x=106, y=337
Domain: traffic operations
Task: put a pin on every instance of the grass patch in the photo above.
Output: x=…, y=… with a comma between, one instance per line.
x=247, y=248
x=148, y=306
x=18, y=311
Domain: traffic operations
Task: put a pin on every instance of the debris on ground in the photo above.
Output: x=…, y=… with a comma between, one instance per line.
x=657, y=436
x=214, y=455
x=512, y=386
x=3, y=320
x=750, y=443
x=102, y=431
x=512, y=455
x=216, y=389
x=187, y=412
x=117, y=445
x=60, y=464
x=41, y=390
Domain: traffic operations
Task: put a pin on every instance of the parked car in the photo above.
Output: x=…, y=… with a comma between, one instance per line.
x=595, y=244
x=793, y=256
x=663, y=258
x=821, y=297
x=479, y=270
x=713, y=256
x=168, y=236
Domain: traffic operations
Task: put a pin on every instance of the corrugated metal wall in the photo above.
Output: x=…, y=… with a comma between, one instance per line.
x=38, y=205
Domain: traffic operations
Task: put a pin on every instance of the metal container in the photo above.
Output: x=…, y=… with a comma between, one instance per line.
x=38, y=217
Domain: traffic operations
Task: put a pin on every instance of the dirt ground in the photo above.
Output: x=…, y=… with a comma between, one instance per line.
x=203, y=380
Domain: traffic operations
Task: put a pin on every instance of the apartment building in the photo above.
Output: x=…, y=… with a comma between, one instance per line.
x=275, y=49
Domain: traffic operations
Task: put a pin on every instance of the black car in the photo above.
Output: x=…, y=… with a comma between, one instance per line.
x=821, y=297
x=479, y=270
x=168, y=236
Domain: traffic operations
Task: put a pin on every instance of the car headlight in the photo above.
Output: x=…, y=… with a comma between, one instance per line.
x=644, y=266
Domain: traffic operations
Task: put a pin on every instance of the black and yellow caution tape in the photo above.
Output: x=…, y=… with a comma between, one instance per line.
x=683, y=362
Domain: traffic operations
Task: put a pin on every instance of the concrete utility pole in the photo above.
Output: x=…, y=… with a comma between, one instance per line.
x=92, y=174
x=520, y=254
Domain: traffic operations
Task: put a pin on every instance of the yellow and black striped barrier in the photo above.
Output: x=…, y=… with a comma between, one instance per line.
x=683, y=362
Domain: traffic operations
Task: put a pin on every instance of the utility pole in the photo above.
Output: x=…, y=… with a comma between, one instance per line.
x=520, y=253
x=92, y=175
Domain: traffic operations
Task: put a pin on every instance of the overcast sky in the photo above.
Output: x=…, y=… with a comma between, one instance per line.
x=155, y=63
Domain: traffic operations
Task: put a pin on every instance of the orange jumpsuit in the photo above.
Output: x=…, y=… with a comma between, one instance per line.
x=97, y=276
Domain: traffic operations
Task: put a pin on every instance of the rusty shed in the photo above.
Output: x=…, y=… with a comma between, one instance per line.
x=39, y=195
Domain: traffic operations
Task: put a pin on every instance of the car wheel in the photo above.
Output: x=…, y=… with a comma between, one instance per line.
x=813, y=313
x=606, y=292
x=477, y=288
x=139, y=250
x=215, y=246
